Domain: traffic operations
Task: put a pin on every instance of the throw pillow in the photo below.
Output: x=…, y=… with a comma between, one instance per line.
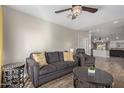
x=68, y=56
x=40, y=59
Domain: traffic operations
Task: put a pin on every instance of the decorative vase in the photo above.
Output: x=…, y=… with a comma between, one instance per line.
x=91, y=71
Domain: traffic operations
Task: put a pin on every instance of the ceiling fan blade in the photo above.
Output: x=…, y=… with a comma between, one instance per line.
x=89, y=9
x=73, y=17
x=59, y=11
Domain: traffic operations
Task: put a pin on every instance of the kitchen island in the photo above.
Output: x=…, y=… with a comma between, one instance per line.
x=101, y=53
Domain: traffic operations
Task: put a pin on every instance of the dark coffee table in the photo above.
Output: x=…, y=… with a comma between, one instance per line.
x=82, y=79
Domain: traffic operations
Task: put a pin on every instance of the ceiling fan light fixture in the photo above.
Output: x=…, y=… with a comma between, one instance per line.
x=76, y=10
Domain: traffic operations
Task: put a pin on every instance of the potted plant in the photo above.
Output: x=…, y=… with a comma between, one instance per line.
x=91, y=69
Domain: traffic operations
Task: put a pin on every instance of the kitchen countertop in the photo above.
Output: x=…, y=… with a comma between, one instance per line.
x=117, y=49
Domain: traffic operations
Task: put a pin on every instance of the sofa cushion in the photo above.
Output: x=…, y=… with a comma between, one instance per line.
x=40, y=59
x=31, y=55
x=47, y=69
x=71, y=64
x=46, y=56
x=61, y=57
x=52, y=57
x=68, y=56
x=60, y=65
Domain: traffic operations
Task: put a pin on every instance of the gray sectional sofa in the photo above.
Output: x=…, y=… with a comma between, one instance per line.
x=56, y=67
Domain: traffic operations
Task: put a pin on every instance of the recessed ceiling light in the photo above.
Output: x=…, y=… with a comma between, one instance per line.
x=117, y=37
x=115, y=22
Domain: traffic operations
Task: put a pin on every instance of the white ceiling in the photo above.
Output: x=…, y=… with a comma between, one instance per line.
x=105, y=15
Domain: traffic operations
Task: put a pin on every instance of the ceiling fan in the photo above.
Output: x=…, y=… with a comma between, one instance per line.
x=76, y=10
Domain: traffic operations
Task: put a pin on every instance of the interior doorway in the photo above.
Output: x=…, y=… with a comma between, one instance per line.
x=84, y=43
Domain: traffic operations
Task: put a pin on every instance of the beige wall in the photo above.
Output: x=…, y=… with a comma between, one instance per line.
x=25, y=34
x=1, y=40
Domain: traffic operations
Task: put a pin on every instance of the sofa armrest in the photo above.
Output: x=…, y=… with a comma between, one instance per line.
x=33, y=71
x=76, y=59
x=82, y=59
x=90, y=59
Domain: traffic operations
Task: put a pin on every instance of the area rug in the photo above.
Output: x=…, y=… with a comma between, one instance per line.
x=62, y=82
